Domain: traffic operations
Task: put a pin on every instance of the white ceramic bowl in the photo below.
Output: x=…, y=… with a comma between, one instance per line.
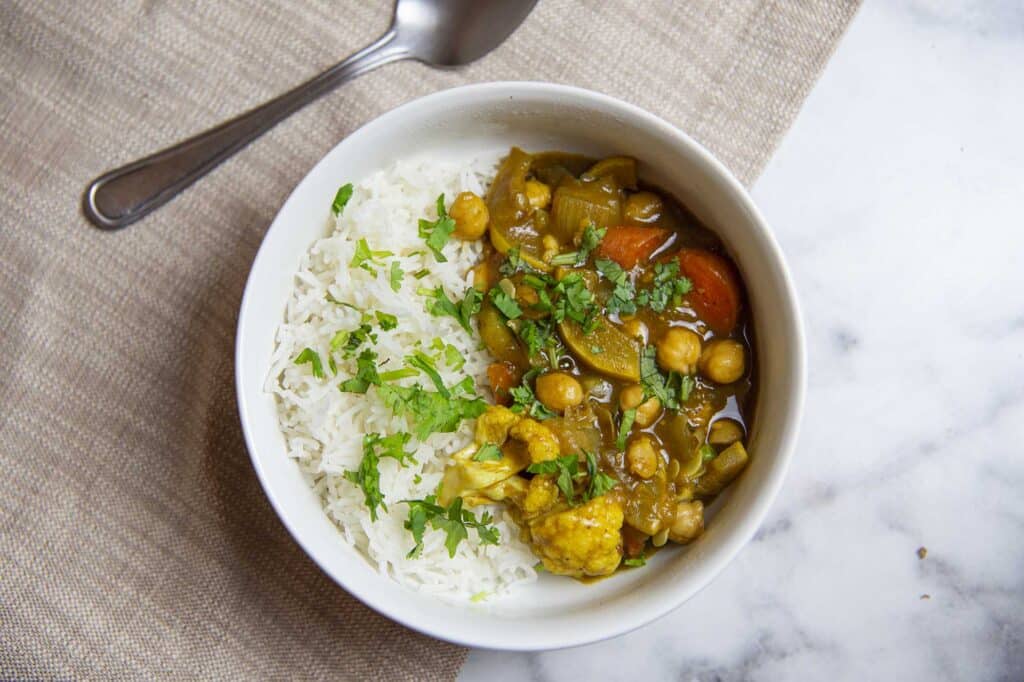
x=486, y=119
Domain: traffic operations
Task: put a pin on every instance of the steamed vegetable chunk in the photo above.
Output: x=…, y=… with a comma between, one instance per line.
x=585, y=541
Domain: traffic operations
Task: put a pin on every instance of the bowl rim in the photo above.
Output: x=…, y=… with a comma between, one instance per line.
x=768, y=489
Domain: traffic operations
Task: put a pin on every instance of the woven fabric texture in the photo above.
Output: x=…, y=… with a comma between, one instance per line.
x=135, y=541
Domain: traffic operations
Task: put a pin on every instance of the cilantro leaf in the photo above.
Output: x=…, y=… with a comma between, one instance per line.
x=395, y=275
x=488, y=452
x=438, y=304
x=654, y=382
x=628, y=417
x=707, y=453
x=365, y=257
x=436, y=233
x=366, y=374
x=686, y=386
x=453, y=357
x=429, y=411
x=454, y=521
x=622, y=298
x=367, y=477
x=422, y=362
x=513, y=261
x=308, y=355
x=392, y=446
x=600, y=482
x=636, y=562
x=386, y=321
x=666, y=289
x=525, y=401
x=567, y=469
x=575, y=302
x=505, y=303
x=341, y=198
x=592, y=236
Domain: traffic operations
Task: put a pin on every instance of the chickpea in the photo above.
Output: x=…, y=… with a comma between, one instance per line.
x=470, y=215
x=635, y=328
x=688, y=522
x=558, y=390
x=722, y=361
x=725, y=432
x=631, y=396
x=641, y=457
x=642, y=207
x=679, y=350
x=538, y=194
x=648, y=412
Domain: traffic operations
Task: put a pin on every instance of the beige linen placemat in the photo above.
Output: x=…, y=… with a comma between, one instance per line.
x=134, y=538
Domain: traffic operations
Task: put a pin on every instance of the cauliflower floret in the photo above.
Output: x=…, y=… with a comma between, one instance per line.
x=493, y=425
x=541, y=444
x=542, y=493
x=522, y=441
x=584, y=541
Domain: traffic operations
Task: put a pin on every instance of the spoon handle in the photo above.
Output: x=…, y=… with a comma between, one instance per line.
x=122, y=196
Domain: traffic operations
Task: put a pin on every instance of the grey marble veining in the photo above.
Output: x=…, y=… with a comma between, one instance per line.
x=898, y=198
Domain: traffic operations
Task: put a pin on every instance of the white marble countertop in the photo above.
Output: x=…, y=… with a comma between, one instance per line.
x=898, y=197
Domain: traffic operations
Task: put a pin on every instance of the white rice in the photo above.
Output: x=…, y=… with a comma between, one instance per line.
x=324, y=427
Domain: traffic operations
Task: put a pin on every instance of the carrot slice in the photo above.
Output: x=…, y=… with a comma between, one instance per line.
x=628, y=245
x=716, y=294
x=503, y=377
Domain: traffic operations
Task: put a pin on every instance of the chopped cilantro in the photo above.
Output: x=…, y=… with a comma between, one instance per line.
x=505, y=303
x=367, y=476
x=436, y=233
x=386, y=321
x=575, y=302
x=478, y=597
x=628, y=417
x=707, y=453
x=596, y=350
x=453, y=357
x=420, y=274
x=454, y=521
x=308, y=355
x=600, y=482
x=622, y=298
x=423, y=363
x=686, y=386
x=654, y=382
x=567, y=469
x=396, y=374
x=539, y=336
x=429, y=411
x=635, y=562
x=439, y=304
x=349, y=340
x=366, y=374
x=667, y=288
x=366, y=258
x=592, y=236
x=488, y=452
x=525, y=401
x=395, y=275
x=513, y=261
x=341, y=198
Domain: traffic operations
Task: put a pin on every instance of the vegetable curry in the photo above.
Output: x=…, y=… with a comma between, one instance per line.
x=622, y=371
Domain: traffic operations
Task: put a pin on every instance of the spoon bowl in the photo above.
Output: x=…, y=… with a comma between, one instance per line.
x=440, y=33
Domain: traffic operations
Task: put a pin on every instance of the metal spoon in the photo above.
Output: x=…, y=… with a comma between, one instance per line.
x=441, y=33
